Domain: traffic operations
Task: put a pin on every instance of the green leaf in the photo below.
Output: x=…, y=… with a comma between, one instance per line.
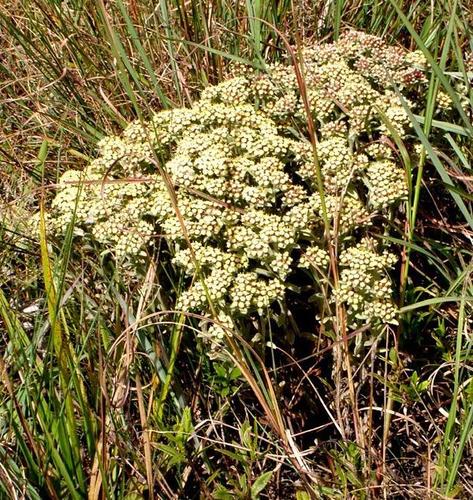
x=260, y=484
x=173, y=454
x=235, y=456
x=221, y=493
x=434, y=301
x=446, y=126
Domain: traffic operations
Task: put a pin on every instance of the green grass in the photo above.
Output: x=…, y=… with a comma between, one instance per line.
x=105, y=393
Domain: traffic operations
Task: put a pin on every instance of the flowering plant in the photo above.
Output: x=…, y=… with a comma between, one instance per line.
x=231, y=182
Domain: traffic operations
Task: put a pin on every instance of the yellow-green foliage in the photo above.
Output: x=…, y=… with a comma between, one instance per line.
x=245, y=181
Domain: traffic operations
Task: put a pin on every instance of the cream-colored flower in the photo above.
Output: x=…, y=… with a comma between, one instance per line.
x=242, y=180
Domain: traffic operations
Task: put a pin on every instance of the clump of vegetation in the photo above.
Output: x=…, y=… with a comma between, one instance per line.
x=241, y=194
x=223, y=277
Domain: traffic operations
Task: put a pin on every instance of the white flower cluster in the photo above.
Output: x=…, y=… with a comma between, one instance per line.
x=231, y=171
x=382, y=63
x=386, y=184
x=349, y=85
x=364, y=284
x=250, y=291
x=444, y=101
x=315, y=257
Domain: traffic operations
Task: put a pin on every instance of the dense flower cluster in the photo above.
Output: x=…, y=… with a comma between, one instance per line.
x=231, y=177
x=364, y=284
x=314, y=257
